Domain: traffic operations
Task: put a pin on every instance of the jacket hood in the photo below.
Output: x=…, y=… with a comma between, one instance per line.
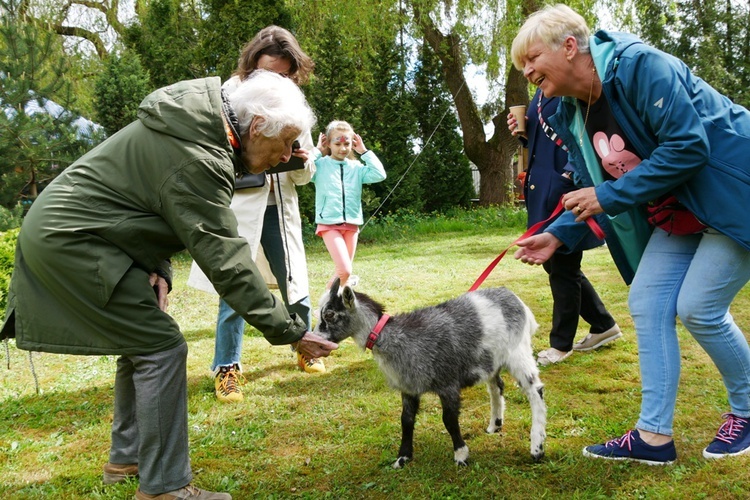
x=188, y=110
x=606, y=45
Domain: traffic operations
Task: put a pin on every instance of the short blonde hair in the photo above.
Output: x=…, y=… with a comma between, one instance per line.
x=551, y=26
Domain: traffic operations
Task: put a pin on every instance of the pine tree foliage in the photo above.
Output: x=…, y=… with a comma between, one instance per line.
x=389, y=124
x=120, y=88
x=38, y=135
x=445, y=172
x=167, y=42
x=228, y=25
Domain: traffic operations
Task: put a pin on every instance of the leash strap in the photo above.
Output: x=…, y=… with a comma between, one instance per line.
x=593, y=225
x=375, y=333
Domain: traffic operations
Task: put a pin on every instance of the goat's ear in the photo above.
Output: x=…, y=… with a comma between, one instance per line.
x=349, y=298
x=335, y=287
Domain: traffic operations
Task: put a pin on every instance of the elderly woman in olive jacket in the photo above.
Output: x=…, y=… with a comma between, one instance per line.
x=93, y=241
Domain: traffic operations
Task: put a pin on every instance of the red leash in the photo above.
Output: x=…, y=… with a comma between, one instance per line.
x=597, y=230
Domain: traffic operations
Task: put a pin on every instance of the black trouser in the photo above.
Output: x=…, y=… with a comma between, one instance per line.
x=572, y=296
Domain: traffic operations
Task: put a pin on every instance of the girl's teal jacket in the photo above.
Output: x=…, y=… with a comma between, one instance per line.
x=338, y=187
x=694, y=143
x=160, y=185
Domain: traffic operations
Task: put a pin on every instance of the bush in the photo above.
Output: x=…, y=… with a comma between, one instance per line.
x=7, y=256
x=11, y=218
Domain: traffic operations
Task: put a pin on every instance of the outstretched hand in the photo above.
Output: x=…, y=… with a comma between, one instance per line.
x=314, y=346
x=537, y=249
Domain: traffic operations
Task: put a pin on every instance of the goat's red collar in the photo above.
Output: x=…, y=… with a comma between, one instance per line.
x=375, y=333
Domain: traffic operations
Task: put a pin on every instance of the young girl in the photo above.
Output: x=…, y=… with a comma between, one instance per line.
x=338, y=182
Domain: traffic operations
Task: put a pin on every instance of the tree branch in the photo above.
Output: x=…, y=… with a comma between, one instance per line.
x=92, y=37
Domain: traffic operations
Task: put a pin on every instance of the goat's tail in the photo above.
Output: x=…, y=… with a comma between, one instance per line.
x=531, y=325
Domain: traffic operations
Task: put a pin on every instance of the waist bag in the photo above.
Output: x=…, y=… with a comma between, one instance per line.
x=673, y=217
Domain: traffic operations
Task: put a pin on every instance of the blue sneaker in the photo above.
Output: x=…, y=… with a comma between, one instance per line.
x=732, y=439
x=632, y=447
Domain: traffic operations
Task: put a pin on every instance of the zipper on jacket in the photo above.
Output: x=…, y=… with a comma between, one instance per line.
x=343, y=192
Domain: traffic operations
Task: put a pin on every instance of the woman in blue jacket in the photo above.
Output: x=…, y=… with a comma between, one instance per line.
x=640, y=127
x=338, y=182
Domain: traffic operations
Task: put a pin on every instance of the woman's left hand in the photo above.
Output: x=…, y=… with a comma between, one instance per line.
x=583, y=203
x=301, y=153
x=161, y=288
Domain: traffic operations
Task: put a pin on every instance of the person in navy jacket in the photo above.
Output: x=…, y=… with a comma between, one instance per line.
x=548, y=177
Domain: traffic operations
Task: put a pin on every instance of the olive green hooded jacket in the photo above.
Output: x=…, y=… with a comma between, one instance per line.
x=160, y=185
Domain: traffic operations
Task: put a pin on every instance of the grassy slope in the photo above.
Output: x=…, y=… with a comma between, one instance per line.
x=335, y=435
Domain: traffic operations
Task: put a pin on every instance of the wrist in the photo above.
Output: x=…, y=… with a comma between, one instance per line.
x=363, y=152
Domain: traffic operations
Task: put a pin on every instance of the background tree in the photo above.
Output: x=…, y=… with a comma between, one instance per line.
x=361, y=77
x=228, y=25
x=120, y=88
x=166, y=40
x=193, y=38
x=389, y=124
x=445, y=171
x=712, y=37
x=39, y=136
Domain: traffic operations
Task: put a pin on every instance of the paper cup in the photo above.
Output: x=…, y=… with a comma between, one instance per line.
x=520, y=113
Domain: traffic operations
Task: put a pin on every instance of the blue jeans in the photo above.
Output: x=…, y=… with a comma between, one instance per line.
x=230, y=326
x=695, y=278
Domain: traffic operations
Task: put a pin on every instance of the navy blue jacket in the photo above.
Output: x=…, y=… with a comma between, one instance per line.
x=548, y=174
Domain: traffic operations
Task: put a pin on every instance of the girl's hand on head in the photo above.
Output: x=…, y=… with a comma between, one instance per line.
x=358, y=144
x=323, y=144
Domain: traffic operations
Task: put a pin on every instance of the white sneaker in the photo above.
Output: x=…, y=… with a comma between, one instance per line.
x=551, y=356
x=596, y=340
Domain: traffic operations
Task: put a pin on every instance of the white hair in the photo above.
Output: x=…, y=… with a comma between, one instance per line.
x=274, y=98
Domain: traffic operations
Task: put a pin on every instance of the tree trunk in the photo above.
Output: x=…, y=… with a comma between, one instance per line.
x=493, y=157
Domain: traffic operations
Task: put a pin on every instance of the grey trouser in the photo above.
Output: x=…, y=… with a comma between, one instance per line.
x=150, y=419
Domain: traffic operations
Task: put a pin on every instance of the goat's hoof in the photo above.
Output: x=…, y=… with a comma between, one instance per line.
x=461, y=455
x=495, y=426
x=400, y=462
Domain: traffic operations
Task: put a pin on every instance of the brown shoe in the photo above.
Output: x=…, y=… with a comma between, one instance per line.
x=117, y=473
x=188, y=491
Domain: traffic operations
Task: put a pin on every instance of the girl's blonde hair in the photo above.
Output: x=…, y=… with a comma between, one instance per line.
x=338, y=125
x=551, y=26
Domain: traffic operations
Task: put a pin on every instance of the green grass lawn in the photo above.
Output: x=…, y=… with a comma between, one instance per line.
x=335, y=435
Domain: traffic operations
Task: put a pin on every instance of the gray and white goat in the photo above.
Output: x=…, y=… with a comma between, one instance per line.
x=443, y=349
